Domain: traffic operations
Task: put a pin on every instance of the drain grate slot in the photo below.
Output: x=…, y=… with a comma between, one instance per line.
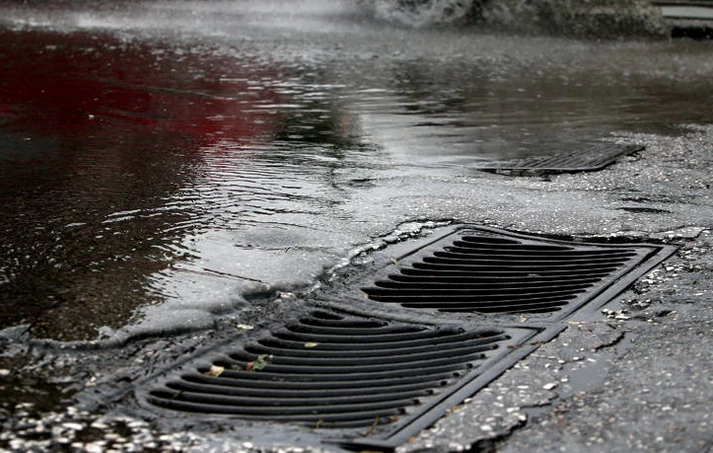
x=482, y=270
x=325, y=371
x=588, y=159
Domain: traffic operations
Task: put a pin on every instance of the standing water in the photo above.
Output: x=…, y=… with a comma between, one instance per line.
x=160, y=160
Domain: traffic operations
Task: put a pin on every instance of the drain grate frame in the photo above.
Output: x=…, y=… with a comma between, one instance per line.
x=406, y=373
x=492, y=272
x=588, y=159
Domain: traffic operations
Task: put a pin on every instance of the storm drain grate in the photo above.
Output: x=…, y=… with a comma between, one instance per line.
x=491, y=271
x=370, y=374
x=333, y=371
x=589, y=159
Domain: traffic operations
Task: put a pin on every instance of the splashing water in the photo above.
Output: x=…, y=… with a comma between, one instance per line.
x=418, y=13
x=594, y=18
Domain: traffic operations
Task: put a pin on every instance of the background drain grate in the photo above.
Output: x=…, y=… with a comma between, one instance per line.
x=332, y=371
x=492, y=271
x=589, y=159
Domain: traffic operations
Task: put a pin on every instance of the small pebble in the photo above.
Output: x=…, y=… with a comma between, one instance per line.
x=73, y=426
x=95, y=448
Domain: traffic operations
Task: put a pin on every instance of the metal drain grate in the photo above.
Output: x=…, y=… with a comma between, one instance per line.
x=333, y=371
x=492, y=271
x=589, y=159
x=368, y=375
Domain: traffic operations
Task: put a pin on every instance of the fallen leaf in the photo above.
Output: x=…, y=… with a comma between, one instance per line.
x=259, y=364
x=215, y=371
x=311, y=344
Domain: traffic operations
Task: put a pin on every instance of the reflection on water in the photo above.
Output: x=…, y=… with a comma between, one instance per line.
x=175, y=154
x=97, y=137
x=121, y=160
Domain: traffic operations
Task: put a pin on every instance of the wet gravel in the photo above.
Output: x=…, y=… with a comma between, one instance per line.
x=80, y=431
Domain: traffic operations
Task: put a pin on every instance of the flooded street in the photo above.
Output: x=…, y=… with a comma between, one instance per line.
x=160, y=159
x=171, y=171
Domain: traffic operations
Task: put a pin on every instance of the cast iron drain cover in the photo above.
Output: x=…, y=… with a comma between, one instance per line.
x=589, y=159
x=489, y=271
x=346, y=376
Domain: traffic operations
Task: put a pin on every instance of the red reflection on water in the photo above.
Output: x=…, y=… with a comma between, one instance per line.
x=74, y=87
x=91, y=126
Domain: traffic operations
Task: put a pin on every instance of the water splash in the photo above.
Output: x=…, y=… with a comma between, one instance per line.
x=419, y=13
x=594, y=18
x=233, y=18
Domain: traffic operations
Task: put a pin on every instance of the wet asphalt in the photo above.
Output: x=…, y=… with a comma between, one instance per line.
x=636, y=376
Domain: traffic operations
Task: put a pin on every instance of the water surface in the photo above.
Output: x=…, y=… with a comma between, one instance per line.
x=160, y=159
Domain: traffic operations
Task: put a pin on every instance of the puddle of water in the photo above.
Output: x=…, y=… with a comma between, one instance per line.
x=168, y=156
